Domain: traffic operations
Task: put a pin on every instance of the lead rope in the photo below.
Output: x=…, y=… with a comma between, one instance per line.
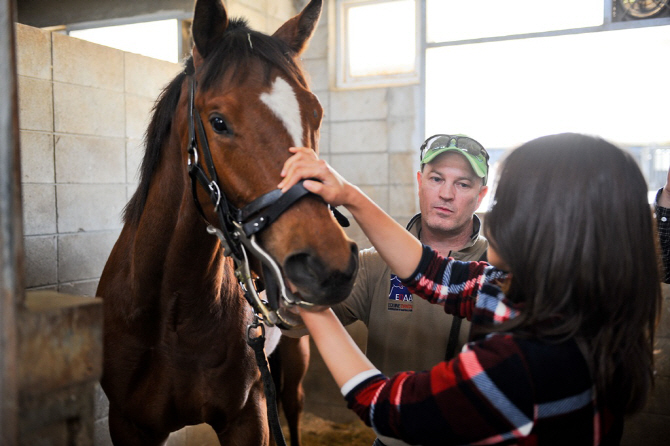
x=258, y=345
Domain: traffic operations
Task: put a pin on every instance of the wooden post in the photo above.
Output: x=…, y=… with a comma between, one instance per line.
x=11, y=227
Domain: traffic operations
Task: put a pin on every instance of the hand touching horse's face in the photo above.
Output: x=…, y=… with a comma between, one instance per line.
x=255, y=103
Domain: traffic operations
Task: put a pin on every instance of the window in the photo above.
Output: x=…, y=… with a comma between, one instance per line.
x=159, y=39
x=452, y=20
x=543, y=71
x=377, y=43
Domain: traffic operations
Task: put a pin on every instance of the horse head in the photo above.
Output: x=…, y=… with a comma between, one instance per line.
x=250, y=102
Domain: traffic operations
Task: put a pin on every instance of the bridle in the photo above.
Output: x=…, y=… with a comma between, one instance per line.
x=238, y=227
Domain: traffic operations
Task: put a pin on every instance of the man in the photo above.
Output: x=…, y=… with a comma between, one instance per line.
x=407, y=333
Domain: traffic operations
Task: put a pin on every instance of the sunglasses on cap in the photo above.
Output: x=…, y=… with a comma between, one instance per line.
x=463, y=143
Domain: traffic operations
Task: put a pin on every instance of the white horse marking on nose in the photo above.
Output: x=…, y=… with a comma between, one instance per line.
x=284, y=104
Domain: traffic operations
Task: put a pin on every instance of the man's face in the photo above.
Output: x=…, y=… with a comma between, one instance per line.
x=449, y=194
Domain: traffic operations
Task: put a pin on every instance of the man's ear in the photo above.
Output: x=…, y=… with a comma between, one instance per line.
x=482, y=193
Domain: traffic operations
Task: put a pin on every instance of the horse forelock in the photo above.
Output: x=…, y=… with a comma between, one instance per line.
x=238, y=48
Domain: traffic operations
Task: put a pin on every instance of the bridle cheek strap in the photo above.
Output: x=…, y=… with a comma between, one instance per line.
x=238, y=227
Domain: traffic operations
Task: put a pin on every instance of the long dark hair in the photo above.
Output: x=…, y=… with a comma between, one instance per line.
x=570, y=219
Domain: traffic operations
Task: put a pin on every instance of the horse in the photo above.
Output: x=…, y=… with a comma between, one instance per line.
x=207, y=229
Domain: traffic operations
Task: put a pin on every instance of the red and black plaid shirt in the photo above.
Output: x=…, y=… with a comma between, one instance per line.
x=501, y=389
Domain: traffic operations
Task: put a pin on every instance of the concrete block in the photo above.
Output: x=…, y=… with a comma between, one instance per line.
x=358, y=136
x=84, y=288
x=256, y=19
x=324, y=139
x=41, y=260
x=324, y=98
x=33, y=52
x=145, y=76
x=282, y=10
x=37, y=157
x=64, y=332
x=362, y=169
x=272, y=24
x=39, y=209
x=58, y=417
x=378, y=194
x=317, y=73
x=138, y=115
x=35, y=104
x=88, y=111
x=134, y=156
x=355, y=105
x=130, y=191
x=404, y=136
x=90, y=159
x=402, y=168
x=89, y=207
x=80, y=62
x=318, y=45
x=83, y=256
x=403, y=201
x=404, y=101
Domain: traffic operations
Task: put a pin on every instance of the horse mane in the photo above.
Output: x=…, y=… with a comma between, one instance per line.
x=238, y=46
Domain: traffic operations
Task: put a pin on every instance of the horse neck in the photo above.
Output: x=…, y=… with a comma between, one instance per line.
x=172, y=252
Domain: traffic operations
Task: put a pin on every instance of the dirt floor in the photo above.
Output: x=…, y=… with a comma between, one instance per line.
x=319, y=432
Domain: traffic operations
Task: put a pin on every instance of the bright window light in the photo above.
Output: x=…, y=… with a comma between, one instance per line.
x=504, y=93
x=158, y=39
x=381, y=38
x=450, y=20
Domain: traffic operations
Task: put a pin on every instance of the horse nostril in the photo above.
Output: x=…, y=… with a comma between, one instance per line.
x=303, y=269
x=318, y=283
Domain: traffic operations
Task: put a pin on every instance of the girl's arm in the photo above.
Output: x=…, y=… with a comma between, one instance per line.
x=340, y=353
x=399, y=249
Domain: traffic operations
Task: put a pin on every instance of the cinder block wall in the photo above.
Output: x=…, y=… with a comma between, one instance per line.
x=83, y=111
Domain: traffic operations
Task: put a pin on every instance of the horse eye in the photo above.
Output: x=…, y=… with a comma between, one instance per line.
x=219, y=125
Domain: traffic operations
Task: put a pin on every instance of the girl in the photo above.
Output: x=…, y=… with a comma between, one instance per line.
x=563, y=316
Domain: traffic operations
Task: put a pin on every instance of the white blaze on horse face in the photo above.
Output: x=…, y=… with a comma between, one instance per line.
x=284, y=104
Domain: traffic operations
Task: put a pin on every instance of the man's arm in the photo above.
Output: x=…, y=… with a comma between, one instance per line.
x=663, y=223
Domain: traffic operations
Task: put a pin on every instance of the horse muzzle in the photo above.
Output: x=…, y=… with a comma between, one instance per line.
x=317, y=283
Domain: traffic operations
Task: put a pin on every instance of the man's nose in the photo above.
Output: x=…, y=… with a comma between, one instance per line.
x=447, y=192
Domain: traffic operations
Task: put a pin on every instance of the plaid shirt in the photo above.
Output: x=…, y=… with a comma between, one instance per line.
x=501, y=389
x=663, y=224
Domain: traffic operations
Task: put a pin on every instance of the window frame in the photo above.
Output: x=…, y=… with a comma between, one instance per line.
x=343, y=80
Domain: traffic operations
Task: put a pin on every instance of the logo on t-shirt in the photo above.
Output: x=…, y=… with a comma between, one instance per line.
x=400, y=299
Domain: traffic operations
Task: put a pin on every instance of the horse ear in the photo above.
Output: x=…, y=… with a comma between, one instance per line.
x=297, y=31
x=210, y=21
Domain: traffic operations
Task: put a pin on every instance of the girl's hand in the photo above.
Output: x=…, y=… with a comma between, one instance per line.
x=304, y=164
